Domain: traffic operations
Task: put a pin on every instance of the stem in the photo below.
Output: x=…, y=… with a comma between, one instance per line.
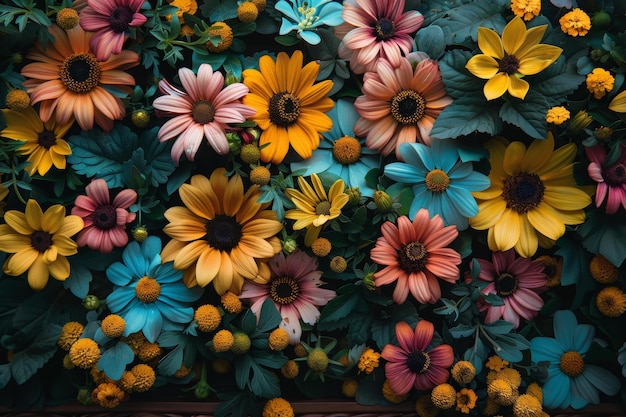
x=495, y=344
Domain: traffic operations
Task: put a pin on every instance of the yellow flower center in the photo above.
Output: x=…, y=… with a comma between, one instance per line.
x=203, y=112
x=317, y=360
x=84, y=353
x=437, y=181
x=284, y=109
x=418, y=362
x=506, y=284
x=347, y=150
x=523, y=191
x=113, y=326
x=384, y=29
x=147, y=290
x=611, y=302
x=208, y=317
x=67, y=18
x=572, y=364
x=602, y=270
x=80, y=73
x=408, y=107
x=413, y=257
x=17, y=100
x=323, y=207
x=223, y=232
x=41, y=240
x=284, y=290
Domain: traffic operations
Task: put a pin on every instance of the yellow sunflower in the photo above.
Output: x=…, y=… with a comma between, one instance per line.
x=44, y=142
x=505, y=61
x=290, y=106
x=314, y=207
x=532, y=196
x=39, y=243
x=222, y=235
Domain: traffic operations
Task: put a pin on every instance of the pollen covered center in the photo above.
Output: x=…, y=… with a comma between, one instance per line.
x=384, y=29
x=284, y=290
x=418, y=362
x=523, y=191
x=284, y=109
x=203, y=112
x=120, y=19
x=437, y=181
x=80, y=73
x=147, y=290
x=346, y=150
x=412, y=257
x=572, y=364
x=408, y=107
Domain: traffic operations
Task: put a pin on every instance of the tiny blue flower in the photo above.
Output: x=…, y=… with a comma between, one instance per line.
x=305, y=16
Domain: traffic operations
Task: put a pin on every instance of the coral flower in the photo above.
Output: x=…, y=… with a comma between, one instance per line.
x=505, y=61
x=43, y=142
x=532, y=196
x=294, y=288
x=611, y=178
x=221, y=233
x=400, y=105
x=203, y=110
x=412, y=364
x=39, y=243
x=68, y=78
x=290, y=106
x=111, y=21
x=105, y=221
x=415, y=256
x=376, y=29
x=517, y=281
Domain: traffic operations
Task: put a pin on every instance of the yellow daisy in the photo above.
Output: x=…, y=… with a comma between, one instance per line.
x=532, y=196
x=222, y=234
x=290, y=106
x=39, y=243
x=504, y=61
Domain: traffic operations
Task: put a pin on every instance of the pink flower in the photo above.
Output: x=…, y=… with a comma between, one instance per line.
x=294, y=289
x=416, y=257
x=517, y=281
x=412, y=364
x=374, y=29
x=203, y=110
x=611, y=178
x=110, y=20
x=105, y=222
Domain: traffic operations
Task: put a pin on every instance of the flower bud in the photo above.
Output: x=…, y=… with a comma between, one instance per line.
x=383, y=201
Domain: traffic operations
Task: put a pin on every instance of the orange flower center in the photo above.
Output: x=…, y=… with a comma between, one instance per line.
x=572, y=364
x=203, y=112
x=147, y=290
x=347, y=150
x=418, y=362
x=284, y=109
x=615, y=174
x=523, y=191
x=47, y=139
x=223, y=232
x=408, y=107
x=506, y=284
x=437, y=181
x=80, y=73
x=120, y=19
x=413, y=257
x=40, y=240
x=284, y=290
x=384, y=29
x=508, y=64
x=104, y=217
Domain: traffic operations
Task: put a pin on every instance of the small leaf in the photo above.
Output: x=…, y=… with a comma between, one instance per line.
x=431, y=40
x=78, y=281
x=27, y=362
x=269, y=318
x=114, y=360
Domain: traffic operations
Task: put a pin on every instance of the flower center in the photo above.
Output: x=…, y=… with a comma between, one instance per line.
x=284, y=109
x=509, y=64
x=412, y=257
x=203, y=112
x=323, y=207
x=47, y=139
x=523, y=191
x=506, y=284
x=572, y=364
x=615, y=174
x=284, y=290
x=120, y=19
x=384, y=29
x=80, y=73
x=223, y=232
x=104, y=217
x=437, y=181
x=408, y=107
x=147, y=290
x=40, y=240
x=418, y=362
x=347, y=150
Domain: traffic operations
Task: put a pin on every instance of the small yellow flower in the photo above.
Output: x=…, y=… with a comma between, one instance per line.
x=70, y=333
x=85, y=353
x=317, y=360
x=113, y=326
x=338, y=264
x=144, y=377
x=349, y=387
x=501, y=392
x=107, y=395
x=575, y=23
x=223, y=340
x=184, y=6
x=278, y=407
x=496, y=363
x=247, y=12
x=602, y=270
x=231, y=302
x=278, y=339
x=466, y=400
x=443, y=396
x=463, y=372
x=368, y=361
x=390, y=395
x=527, y=406
x=290, y=369
x=526, y=9
x=321, y=247
x=611, y=302
x=299, y=350
x=557, y=115
x=535, y=390
x=260, y=175
x=241, y=343
x=599, y=82
x=224, y=31
x=149, y=351
x=208, y=317
x=17, y=100
x=512, y=376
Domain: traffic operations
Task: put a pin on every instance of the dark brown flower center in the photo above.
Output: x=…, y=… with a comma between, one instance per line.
x=523, y=191
x=223, y=232
x=418, y=362
x=203, y=112
x=47, y=139
x=408, y=107
x=284, y=109
x=509, y=64
x=41, y=240
x=506, y=284
x=120, y=19
x=284, y=290
x=384, y=29
x=80, y=73
x=412, y=257
x=104, y=217
x=615, y=174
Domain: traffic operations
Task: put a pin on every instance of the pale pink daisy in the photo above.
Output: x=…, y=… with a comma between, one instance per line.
x=518, y=281
x=105, y=221
x=294, y=288
x=203, y=110
x=400, y=104
x=374, y=29
x=416, y=257
x=611, y=178
x=110, y=20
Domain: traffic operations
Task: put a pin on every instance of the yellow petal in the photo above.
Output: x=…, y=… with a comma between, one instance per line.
x=65, y=246
x=60, y=269
x=538, y=58
x=18, y=263
x=496, y=86
x=12, y=242
x=17, y=221
x=545, y=223
x=197, y=202
x=33, y=214
x=190, y=254
x=618, y=104
x=513, y=36
x=506, y=231
x=233, y=197
x=482, y=66
x=226, y=275
x=518, y=87
x=490, y=43
x=526, y=246
x=244, y=264
x=566, y=198
x=38, y=274
x=53, y=218
x=533, y=37
x=513, y=157
x=72, y=224
x=207, y=267
x=538, y=154
x=489, y=212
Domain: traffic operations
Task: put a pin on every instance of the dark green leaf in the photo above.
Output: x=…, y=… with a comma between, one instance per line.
x=466, y=116
x=270, y=317
x=463, y=21
x=78, y=281
x=431, y=40
x=528, y=114
x=28, y=361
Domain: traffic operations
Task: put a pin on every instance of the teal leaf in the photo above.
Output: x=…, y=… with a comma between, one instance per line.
x=269, y=318
x=171, y=362
x=5, y=374
x=248, y=322
x=463, y=22
x=224, y=11
x=178, y=178
x=462, y=330
x=240, y=404
x=78, y=281
x=28, y=361
x=114, y=360
x=575, y=269
x=557, y=81
x=477, y=355
x=458, y=80
x=498, y=327
x=431, y=40
x=465, y=116
x=259, y=380
x=528, y=114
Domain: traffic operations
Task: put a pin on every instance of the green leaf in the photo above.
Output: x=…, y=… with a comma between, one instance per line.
x=270, y=317
x=528, y=114
x=5, y=374
x=259, y=380
x=557, y=81
x=28, y=361
x=575, y=269
x=286, y=40
x=477, y=355
x=431, y=40
x=339, y=307
x=466, y=116
x=114, y=360
x=78, y=281
x=171, y=362
x=224, y=11
x=240, y=404
x=463, y=22
x=248, y=322
x=462, y=330
x=498, y=327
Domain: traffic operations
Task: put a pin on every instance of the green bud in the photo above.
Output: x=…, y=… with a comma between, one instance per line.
x=601, y=20
x=383, y=201
x=289, y=245
x=368, y=281
x=354, y=195
x=202, y=390
x=91, y=302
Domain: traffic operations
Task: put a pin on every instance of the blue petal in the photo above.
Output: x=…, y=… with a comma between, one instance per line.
x=134, y=260
x=418, y=155
x=445, y=154
x=584, y=338
x=287, y=9
x=166, y=274
x=565, y=325
x=347, y=117
x=422, y=199
x=556, y=391
x=583, y=392
x=154, y=323
x=357, y=173
x=119, y=274
x=462, y=200
x=401, y=172
x=174, y=312
x=545, y=349
x=114, y=360
x=451, y=214
x=135, y=317
x=475, y=181
x=459, y=171
x=181, y=293
x=310, y=37
x=120, y=298
x=319, y=161
x=151, y=247
x=602, y=379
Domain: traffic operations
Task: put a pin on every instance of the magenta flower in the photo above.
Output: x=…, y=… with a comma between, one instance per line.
x=611, y=178
x=110, y=20
x=374, y=29
x=105, y=221
x=294, y=289
x=203, y=110
x=517, y=281
x=412, y=364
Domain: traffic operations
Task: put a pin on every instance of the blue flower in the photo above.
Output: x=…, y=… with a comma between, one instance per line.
x=441, y=182
x=304, y=16
x=341, y=144
x=571, y=381
x=148, y=295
